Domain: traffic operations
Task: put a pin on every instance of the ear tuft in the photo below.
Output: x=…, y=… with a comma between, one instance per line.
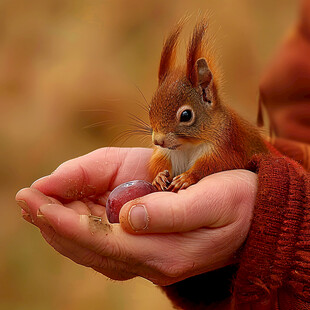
x=195, y=50
x=168, y=53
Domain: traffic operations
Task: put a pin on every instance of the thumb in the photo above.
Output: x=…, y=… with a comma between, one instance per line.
x=216, y=201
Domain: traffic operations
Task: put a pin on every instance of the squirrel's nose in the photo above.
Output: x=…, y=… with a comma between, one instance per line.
x=158, y=139
x=159, y=142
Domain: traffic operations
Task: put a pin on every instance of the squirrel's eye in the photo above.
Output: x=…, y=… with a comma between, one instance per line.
x=186, y=116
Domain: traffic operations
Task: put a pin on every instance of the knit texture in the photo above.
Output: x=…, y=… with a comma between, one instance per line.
x=277, y=252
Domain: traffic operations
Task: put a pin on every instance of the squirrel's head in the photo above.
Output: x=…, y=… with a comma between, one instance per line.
x=183, y=107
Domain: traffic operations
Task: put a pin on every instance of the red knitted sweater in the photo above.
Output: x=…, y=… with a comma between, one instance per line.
x=274, y=263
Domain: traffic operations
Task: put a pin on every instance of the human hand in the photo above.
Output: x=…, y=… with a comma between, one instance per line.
x=190, y=232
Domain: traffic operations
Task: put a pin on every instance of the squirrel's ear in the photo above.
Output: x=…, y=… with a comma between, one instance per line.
x=204, y=74
x=204, y=78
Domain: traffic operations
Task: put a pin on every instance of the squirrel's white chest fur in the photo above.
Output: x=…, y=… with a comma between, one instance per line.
x=182, y=160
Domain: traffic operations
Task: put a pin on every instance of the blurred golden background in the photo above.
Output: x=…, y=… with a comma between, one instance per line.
x=66, y=65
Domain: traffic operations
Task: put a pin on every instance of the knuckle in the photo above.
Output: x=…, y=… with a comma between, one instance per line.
x=173, y=218
x=90, y=259
x=178, y=213
x=114, y=270
x=175, y=269
x=105, y=248
x=50, y=237
x=168, y=268
x=84, y=179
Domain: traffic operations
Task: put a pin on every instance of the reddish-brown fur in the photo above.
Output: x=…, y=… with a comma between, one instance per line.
x=227, y=141
x=168, y=53
x=194, y=51
x=158, y=164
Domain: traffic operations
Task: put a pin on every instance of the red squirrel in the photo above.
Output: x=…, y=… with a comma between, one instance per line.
x=195, y=134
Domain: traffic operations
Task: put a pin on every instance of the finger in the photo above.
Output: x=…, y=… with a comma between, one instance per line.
x=71, y=225
x=114, y=269
x=79, y=207
x=83, y=256
x=158, y=254
x=102, y=199
x=95, y=173
x=97, y=234
x=97, y=210
x=161, y=258
x=26, y=216
x=215, y=201
x=30, y=199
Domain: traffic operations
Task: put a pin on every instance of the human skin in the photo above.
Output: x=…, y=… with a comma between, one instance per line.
x=186, y=233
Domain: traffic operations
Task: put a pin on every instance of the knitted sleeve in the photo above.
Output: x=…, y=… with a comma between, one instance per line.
x=275, y=261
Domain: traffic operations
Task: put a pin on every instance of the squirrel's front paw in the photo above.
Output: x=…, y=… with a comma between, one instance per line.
x=181, y=181
x=162, y=180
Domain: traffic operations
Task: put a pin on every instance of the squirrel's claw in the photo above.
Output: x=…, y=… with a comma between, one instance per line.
x=179, y=182
x=162, y=181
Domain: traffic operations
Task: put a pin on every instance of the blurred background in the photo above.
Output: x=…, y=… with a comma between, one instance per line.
x=70, y=74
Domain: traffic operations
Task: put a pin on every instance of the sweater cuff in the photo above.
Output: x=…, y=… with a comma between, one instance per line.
x=277, y=251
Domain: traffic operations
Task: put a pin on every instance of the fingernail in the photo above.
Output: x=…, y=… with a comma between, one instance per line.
x=42, y=218
x=45, y=208
x=138, y=217
x=39, y=213
x=27, y=218
x=25, y=214
x=22, y=204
